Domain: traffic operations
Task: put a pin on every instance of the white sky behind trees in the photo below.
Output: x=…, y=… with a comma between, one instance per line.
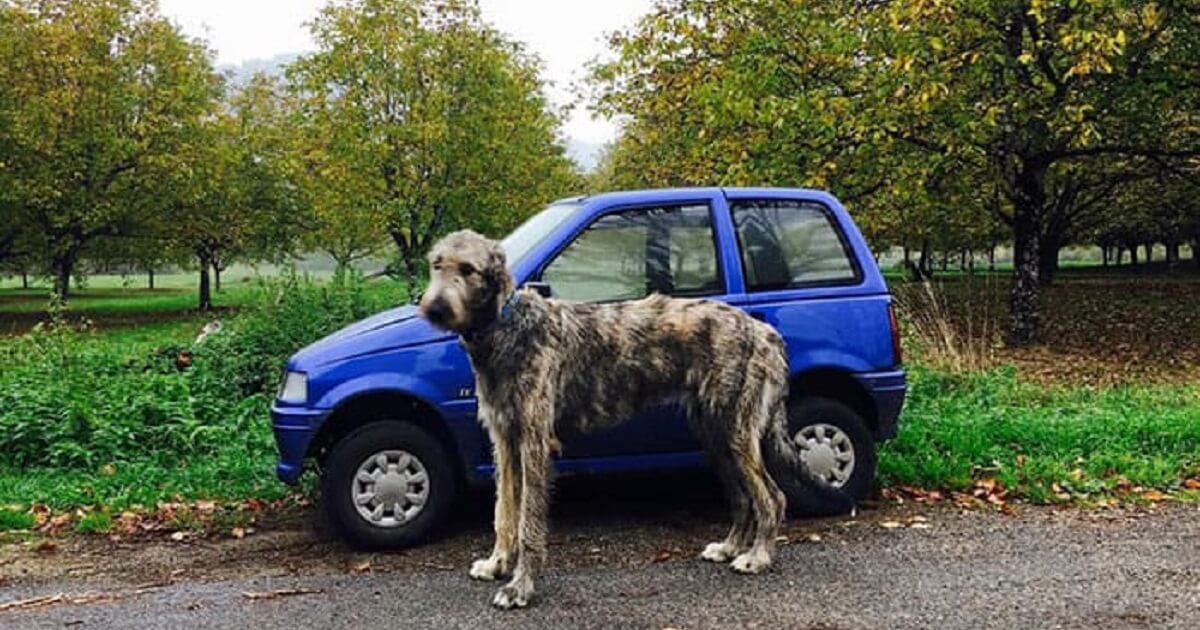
x=564, y=33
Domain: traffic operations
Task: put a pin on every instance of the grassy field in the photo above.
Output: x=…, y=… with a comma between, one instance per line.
x=114, y=418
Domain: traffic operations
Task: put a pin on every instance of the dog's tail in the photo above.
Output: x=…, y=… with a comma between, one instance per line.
x=790, y=472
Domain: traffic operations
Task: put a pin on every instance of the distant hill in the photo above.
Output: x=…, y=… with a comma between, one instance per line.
x=585, y=154
x=241, y=73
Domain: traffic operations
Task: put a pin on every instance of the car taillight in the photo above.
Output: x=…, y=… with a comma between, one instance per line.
x=897, y=351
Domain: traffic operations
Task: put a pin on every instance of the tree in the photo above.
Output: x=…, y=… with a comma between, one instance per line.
x=228, y=193
x=1027, y=89
x=914, y=111
x=428, y=119
x=95, y=90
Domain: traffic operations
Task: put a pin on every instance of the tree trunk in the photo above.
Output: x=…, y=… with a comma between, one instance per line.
x=1149, y=253
x=217, y=276
x=991, y=258
x=62, y=267
x=205, y=303
x=24, y=278
x=924, y=263
x=945, y=260
x=1104, y=255
x=150, y=277
x=1196, y=253
x=411, y=268
x=907, y=256
x=1133, y=260
x=1172, y=246
x=1048, y=251
x=1028, y=201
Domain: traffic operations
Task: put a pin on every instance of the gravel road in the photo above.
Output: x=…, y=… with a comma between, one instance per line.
x=629, y=561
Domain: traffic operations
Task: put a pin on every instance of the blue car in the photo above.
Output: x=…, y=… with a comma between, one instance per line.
x=386, y=407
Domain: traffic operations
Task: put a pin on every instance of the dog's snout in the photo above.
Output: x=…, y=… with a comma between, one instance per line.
x=435, y=311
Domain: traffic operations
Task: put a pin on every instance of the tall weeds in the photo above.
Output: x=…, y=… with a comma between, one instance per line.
x=955, y=337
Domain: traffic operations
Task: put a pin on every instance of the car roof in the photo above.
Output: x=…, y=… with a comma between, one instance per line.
x=651, y=195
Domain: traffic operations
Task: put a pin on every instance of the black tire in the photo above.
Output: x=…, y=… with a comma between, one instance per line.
x=812, y=410
x=353, y=450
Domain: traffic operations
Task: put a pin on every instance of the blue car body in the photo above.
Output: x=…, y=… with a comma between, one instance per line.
x=838, y=336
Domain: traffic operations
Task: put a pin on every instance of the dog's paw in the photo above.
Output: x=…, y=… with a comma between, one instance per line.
x=753, y=561
x=717, y=552
x=509, y=597
x=487, y=569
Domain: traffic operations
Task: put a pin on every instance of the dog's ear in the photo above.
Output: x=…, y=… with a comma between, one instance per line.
x=496, y=271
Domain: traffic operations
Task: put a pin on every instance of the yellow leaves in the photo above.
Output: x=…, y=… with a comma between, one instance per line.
x=1026, y=58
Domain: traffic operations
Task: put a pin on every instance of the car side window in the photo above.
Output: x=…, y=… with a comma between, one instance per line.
x=632, y=253
x=788, y=244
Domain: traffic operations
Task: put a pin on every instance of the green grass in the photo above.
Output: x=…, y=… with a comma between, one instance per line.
x=1029, y=437
x=96, y=522
x=233, y=475
x=15, y=518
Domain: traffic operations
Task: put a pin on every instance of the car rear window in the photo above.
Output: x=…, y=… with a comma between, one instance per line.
x=789, y=244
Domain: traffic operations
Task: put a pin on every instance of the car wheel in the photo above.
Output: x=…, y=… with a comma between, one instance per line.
x=387, y=485
x=836, y=446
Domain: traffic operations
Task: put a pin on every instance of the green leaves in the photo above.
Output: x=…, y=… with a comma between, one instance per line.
x=417, y=117
x=96, y=90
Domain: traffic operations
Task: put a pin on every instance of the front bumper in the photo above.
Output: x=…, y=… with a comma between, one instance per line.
x=294, y=431
x=887, y=389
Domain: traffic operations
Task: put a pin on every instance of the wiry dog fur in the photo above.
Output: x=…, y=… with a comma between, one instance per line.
x=547, y=367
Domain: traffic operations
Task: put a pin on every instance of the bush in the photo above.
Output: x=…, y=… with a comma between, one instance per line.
x=70, y=400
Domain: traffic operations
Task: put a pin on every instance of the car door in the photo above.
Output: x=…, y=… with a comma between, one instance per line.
x=627, y=253
x=799, y=273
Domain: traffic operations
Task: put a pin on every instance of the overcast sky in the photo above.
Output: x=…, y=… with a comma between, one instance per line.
x=564, y=33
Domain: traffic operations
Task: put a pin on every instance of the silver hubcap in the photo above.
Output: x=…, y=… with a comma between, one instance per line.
x=390, y=488
x=827, y=451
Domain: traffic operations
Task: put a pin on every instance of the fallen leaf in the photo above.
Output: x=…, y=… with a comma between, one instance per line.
x=238, y=532
x=178, y=536
x=1154, y=495
x=32, y=602
x=920, y=526
x=283, y=592
x=360, y=566
x=1192, y=484
x=661, y=556
x=814, y=538
x=891, y=524
x=46, y=546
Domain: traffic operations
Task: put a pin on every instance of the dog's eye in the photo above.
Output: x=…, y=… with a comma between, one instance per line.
x=466, y=269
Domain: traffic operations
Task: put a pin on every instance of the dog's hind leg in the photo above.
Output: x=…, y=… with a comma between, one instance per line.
x=508, y=498
x=536, y=446
x=710, y=431
x=767, y=499
x=742, y=528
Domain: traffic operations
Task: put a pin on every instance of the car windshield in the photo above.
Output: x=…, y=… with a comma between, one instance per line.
x=522, y=240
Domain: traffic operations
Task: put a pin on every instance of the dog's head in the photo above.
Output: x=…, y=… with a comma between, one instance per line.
x=468, y=282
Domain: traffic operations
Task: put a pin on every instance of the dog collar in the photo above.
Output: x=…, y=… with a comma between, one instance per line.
x=512, y=300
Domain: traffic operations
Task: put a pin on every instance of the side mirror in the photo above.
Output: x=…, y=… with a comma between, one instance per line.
x=542, y=288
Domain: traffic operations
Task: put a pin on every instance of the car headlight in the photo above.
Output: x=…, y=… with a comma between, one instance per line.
x=294, y=388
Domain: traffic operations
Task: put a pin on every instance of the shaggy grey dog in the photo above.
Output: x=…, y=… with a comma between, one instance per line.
x=537, y=375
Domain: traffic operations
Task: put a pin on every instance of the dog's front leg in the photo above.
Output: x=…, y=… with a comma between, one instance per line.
x=536, y=444
x=508, y=497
